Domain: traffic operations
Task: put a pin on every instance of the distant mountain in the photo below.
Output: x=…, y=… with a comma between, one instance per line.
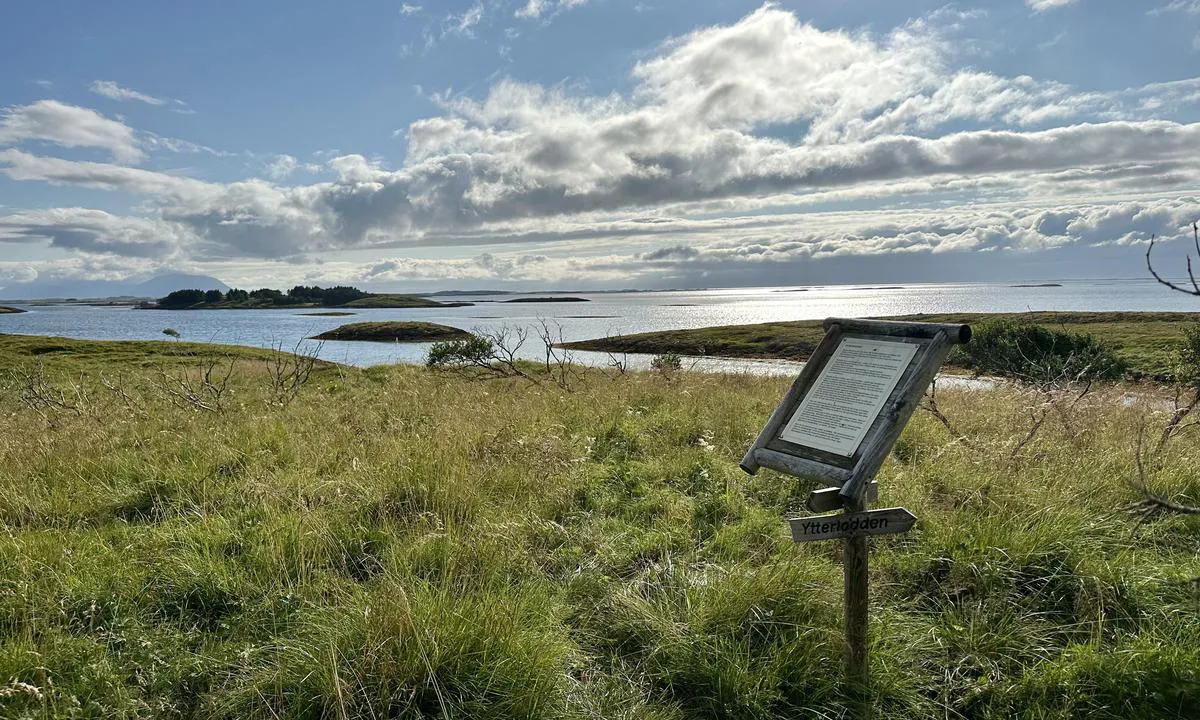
x=153, y=287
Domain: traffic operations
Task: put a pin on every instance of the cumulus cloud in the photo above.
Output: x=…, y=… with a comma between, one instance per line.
x=282, y=166
x=68, y=126
x=112, y=90
x=94, y=232
x=763, y=122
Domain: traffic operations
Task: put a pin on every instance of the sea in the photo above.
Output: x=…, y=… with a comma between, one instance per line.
x=604, y=314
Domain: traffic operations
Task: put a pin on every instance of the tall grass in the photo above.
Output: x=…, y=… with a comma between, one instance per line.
x=402, y=543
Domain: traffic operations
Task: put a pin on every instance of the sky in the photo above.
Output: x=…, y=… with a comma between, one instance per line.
x=591, y=144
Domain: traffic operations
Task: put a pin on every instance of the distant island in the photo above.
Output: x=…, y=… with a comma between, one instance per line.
x=299, y=296
x=1037, y=285
x=5, y=310
x=546, y=300
x=394, y=332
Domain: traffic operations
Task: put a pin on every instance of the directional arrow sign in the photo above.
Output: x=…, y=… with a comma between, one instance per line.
x=827, y=499
x=831, y=527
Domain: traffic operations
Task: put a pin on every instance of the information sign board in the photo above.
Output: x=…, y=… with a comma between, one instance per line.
x=858, y=389
x=847, y=396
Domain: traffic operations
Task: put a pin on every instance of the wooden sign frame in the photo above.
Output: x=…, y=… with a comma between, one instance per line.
x=852, y=476
x=933, y=343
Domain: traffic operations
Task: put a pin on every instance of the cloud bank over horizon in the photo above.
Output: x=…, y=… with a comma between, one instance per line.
x=762, y=151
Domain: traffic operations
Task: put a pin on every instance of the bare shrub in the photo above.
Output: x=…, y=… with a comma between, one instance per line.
x=666, y=364
x=559, y=362
x=47, y=398
x=288, y=371
x=203, y=388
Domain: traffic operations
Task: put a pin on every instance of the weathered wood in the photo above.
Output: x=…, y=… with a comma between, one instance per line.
x=807, y=374
x=800, y=467
x=855, y=590
x=885, y=521
x=879, y=444
x=955, y=334
x=828, y=499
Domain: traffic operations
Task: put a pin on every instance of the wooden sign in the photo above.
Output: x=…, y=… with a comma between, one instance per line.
x=836, y=424
x=835, y=527
x=840, y=418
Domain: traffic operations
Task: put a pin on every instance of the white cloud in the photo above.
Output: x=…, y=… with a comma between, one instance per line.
x=536, y=8
x=406, y=9
x=282, y=166
x=1044, y=5
x=463, y=24
x=68, y=126
x=768, y=114
x=16, y=272
x=1190, y=7
x=95, y=232
x=110, y=89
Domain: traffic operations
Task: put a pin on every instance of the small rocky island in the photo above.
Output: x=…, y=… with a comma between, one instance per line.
x=5, y=310
x=399, y=331
x=550, y=299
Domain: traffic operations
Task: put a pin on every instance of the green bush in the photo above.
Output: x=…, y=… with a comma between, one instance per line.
x=474, y=350
x=666, y=363
x=1188, y=363
x=1024, y=351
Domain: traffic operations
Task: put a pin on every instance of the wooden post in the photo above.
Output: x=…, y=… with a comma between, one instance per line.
x=854, y=567
x=891, y=383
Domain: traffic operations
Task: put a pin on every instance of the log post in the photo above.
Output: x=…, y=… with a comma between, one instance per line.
x=854, y=566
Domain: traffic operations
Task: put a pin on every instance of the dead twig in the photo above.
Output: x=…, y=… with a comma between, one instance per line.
x=931, y=406
x=1195, y=289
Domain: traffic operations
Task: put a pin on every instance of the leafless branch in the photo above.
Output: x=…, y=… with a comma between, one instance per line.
x=1195, y=289
x=47, y=399
x=117, y=388
x=288, y=371
x=207, y=392
x=559, y=363
x=1037, y=419
x=931, y=406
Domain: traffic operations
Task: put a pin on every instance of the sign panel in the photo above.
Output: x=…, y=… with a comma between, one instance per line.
x=847, y=396
x=872, y=522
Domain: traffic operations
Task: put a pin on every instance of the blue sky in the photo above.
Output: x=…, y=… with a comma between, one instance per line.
x=595, y=143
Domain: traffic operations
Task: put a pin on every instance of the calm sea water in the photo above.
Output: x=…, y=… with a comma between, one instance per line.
x=604, y=314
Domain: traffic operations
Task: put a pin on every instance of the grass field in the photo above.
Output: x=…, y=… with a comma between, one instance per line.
x=397, y=542
x=1147, y=341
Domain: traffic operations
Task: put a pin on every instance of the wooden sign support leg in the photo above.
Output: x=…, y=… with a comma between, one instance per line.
x=854, y=562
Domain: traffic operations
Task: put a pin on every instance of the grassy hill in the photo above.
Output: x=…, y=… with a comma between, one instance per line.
x=1147, y=341
x=398, y=542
